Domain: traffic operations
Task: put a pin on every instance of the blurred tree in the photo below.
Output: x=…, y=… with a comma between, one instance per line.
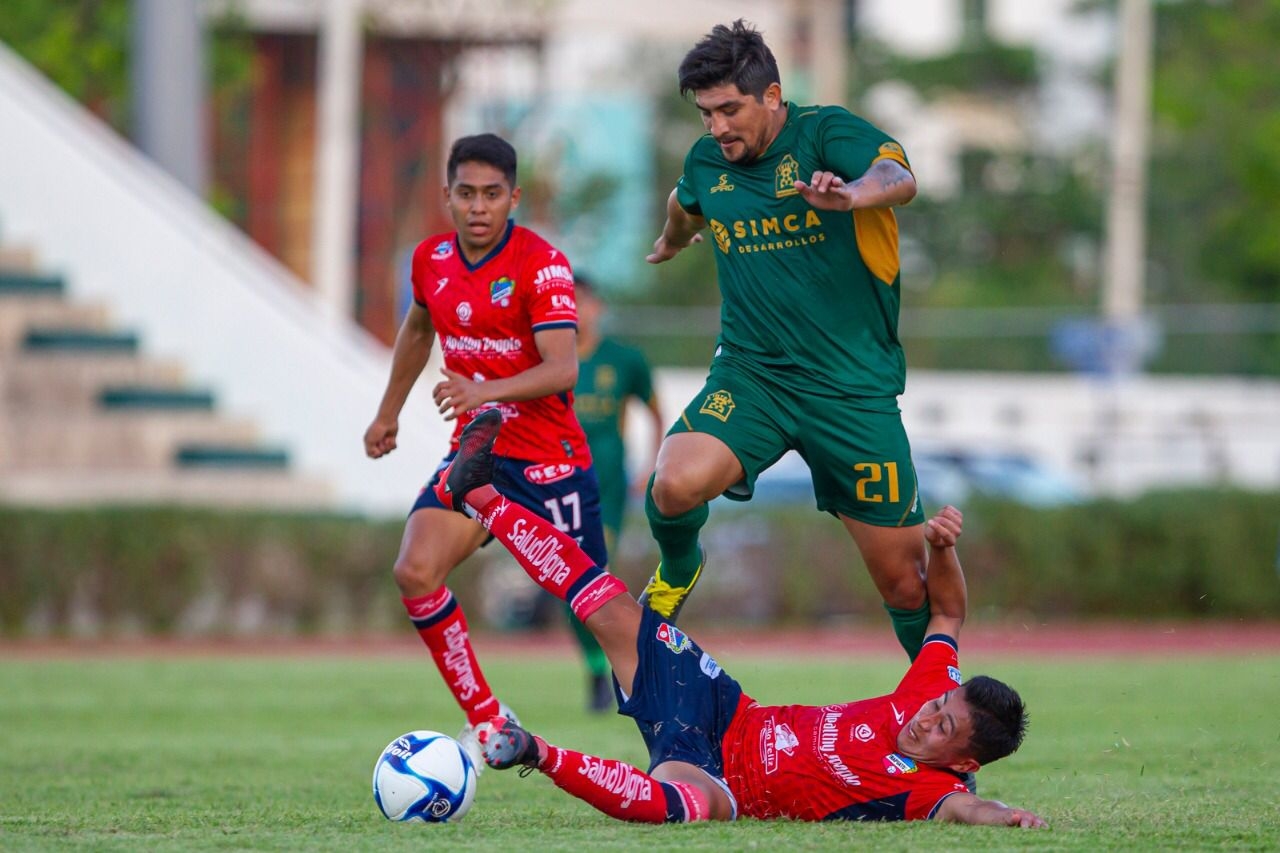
x=1215, y=156
x=1024, y=227
x=81, y=45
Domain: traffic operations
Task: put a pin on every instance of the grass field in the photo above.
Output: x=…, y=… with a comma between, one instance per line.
x=266, y=753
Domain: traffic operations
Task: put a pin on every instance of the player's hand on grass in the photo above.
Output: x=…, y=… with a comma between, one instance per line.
x=455, y=395
x=1024, y=819
x=944, y=529
x=380, y=437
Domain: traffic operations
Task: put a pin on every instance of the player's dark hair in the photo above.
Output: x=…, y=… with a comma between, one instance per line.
x=488, y=148
x=584, y=283
x=736, y=55
x=999, y=718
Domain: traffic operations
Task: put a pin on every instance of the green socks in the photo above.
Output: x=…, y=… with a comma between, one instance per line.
x=677, y=539
x=910, y=625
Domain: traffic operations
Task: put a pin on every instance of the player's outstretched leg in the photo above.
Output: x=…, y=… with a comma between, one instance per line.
x=549, y=556
x=614, y=787
x=506, y=745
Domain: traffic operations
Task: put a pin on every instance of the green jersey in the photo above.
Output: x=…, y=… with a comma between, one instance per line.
x=613, y=373
x=810, y=295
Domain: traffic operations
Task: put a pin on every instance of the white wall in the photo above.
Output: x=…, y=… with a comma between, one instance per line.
x=1114, y=437
x=125, y=234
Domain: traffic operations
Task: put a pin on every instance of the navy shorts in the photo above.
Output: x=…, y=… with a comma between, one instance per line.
x=568, y=497
x=682, y=701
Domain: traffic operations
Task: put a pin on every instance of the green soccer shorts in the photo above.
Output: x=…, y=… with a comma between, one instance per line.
x=856, y=449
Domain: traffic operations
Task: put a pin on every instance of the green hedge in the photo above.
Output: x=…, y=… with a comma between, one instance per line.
x=163, y=570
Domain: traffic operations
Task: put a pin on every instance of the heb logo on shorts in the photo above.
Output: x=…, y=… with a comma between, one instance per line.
x=675, y=639
x=898, y=765
x=541, y=475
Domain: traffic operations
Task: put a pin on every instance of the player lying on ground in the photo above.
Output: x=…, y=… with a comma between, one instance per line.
x=716, y=754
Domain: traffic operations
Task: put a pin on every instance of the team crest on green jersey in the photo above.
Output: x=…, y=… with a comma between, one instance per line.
x=724, y=186
x=606, y=377
x=784, y=178
x=719, y=404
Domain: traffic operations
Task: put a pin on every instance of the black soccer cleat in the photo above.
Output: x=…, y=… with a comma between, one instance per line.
x=472, y=466
x=508, y=745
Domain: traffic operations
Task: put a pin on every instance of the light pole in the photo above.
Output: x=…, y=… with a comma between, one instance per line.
x=1127, y=337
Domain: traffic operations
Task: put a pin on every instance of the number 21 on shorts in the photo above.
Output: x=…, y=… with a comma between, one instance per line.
x=879, y=482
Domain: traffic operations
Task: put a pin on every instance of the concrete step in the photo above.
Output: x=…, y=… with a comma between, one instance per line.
x=146, y=440
x=154, y=398
x=195, y=455
x=17, y=259
x=15, y=281
x=201, y=487
x=19, y=315
x=61, y=380
x=47, y=339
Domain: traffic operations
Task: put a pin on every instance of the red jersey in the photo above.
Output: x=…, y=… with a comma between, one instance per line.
x=485, y=317
x=841, y=761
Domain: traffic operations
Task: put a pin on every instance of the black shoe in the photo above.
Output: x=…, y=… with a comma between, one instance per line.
x=600, y=694
x=508, y=745
x=472, y=466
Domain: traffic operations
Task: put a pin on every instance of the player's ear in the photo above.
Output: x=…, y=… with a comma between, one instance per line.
x=969, y=765
x=773, y=95
x=515, y=198
x=446, y=195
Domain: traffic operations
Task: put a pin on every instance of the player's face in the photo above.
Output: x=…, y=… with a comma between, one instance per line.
x=742, y=125
x=480, y=201
x=939, y=733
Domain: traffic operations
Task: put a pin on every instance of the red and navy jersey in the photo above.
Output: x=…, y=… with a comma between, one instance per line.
x=840, y=762
x=485, y=317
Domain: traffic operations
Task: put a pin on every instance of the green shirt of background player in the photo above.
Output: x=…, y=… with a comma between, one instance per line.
x=610, y=374
x=797, y=202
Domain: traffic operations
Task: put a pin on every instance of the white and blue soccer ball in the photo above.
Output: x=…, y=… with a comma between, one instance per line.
x=425, y=776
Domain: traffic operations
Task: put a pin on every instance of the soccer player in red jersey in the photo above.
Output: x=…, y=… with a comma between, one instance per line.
x=714, y=752
x=500, y=299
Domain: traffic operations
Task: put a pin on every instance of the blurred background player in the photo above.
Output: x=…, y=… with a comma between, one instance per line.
x=500, y=299
x=610, y=374
x=715, y=753
x=808, y=357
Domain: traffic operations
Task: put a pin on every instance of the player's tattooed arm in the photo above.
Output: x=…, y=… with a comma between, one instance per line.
x=885, y=184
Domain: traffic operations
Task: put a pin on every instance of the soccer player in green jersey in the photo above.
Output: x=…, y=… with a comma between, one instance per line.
x=610, y=374
x=798, y=202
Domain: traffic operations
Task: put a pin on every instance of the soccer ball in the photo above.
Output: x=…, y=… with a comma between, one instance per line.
x=424, y=776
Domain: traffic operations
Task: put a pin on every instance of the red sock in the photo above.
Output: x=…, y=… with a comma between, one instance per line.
x=443, y=627
x=549, y=556
x=620, y=790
